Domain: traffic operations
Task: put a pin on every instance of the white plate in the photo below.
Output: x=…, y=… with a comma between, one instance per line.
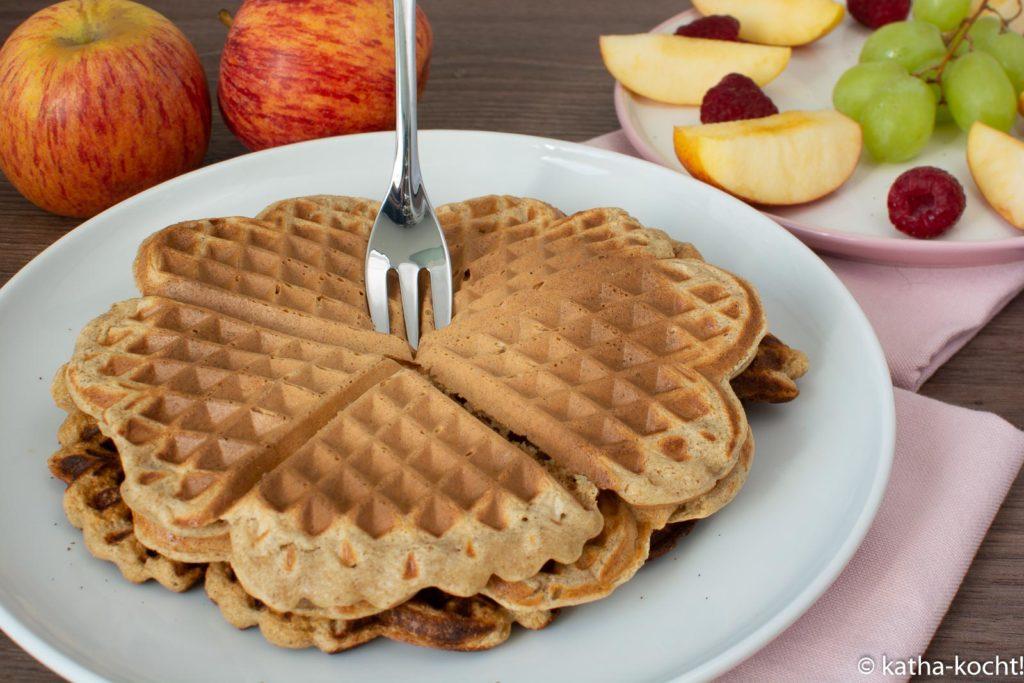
x=854, y=220
x=731, y=586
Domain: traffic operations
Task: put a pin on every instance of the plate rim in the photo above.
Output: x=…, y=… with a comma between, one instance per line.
x=887, y=250
x=67, y=666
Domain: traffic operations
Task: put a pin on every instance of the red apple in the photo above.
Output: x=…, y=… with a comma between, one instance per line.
x=99, y=99
x=301, y=69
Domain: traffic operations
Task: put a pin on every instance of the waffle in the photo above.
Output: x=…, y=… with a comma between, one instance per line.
x=307, y=284
x=771, y=376
x=607, y=561
x=723, y=492
x=88, y=464
x=201, y=405
x=472, y=228
x=620, y=373
x=431, y=619
x=563, y=251
x=344, y=489
x=407, y=490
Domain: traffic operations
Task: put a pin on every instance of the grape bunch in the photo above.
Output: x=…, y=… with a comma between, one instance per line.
x=948, y=62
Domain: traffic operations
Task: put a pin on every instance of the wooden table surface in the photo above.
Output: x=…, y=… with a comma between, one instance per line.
x=532, y=66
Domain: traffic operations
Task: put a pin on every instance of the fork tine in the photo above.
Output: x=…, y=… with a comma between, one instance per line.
x=408, y=282
x=376, y=277
x=441, y=294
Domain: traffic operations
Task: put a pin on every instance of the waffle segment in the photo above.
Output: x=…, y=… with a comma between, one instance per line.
x=623, y=378
x=201, y=405
x=304, y=283
x=402, y=490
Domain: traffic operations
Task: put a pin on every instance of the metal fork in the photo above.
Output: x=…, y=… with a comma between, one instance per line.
x=406, y=236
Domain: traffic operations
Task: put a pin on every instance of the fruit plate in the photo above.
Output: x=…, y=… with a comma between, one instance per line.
x=738, y=580
x=853, y=221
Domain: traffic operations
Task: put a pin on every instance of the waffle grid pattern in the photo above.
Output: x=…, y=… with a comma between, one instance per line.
x=520, y=260
x=400, y=449
x=220, y=390
x=615, y=362
x=316, y=272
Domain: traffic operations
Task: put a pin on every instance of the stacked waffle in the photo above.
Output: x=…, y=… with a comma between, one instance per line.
x=243, y=415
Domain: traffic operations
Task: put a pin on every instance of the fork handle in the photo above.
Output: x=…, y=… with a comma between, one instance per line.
x=407, y=198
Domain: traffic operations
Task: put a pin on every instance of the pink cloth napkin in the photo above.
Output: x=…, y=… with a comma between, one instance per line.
x=890, y=599
x=920, y=318
x=923, y=316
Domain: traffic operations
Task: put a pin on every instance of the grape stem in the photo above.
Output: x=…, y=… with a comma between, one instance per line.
x=960, y=35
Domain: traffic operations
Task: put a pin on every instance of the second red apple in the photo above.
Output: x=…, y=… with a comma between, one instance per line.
x=303, y=69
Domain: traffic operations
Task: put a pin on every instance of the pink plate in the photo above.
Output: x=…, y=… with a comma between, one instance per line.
x=852, y=221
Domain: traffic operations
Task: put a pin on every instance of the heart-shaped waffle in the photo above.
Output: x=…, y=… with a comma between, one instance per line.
x=261, y=421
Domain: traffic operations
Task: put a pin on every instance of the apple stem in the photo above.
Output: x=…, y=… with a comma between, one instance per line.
x=225, y=17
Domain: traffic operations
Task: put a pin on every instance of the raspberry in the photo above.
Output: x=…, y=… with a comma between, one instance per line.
x=925, y=202
x=875, y=13
x=713, y=27
x=735, y=97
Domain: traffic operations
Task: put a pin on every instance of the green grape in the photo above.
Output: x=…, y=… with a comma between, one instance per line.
x=1008, y=49
x=860, y=83
x=980, y=33
x=909, y=43
x=945, y=14
x=898, y=122
x=977, y=89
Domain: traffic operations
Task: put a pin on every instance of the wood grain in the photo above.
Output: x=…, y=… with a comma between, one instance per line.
x=532, y=66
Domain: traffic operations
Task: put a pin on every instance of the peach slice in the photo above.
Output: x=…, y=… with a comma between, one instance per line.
x=788, y=158
x=679, y=70
x=996, y=160
x=778, y=22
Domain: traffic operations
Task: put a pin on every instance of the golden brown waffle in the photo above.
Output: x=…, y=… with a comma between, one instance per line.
x=566, y=248
x=608, y=560
x=621, y=373
x=88, y=464
x=431, y=619
x=472, y=228
x=401, y=490
x=771, y=376
x=723, y=492
x=511, y=240
x=201, y=405
x=307, y=284
x=261, y=420
x=602, y=566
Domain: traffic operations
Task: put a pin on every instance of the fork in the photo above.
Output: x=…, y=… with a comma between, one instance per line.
x=406, y=236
